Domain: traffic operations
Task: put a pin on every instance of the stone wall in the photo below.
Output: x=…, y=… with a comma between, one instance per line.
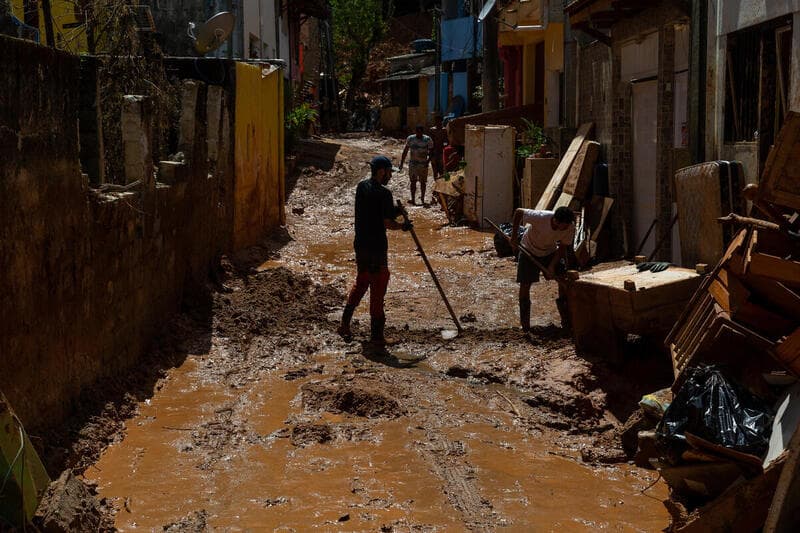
x=90, y=275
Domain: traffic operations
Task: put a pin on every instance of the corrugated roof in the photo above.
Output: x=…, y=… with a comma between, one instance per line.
x=426, y=72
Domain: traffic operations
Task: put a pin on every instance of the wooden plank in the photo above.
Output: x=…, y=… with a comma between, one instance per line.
x=788, y=352
x=537, y=174
x=567, y=200
x=729, y=453
x=720, y=294
x=580, y=173
x=780, y=182
x=780, y=296
x=766, y=322
x=549, y=196
x=748, y=250
x=743, y=507
x=769, y=266
x=784, y=511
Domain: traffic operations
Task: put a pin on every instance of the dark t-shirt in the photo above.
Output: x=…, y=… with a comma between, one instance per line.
x=374, y=203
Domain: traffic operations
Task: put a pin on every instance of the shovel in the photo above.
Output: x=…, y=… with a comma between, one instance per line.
x=447, y=334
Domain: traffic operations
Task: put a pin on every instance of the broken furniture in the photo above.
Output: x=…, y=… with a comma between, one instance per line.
x=449, y=190
x=607, y=305
x=746, y=316
x=489, y=174
x=748, y=305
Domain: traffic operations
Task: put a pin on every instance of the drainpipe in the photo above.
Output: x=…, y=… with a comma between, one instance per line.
x=48, y=23
x=698, y=58
x=491, y=95
x=437, y=20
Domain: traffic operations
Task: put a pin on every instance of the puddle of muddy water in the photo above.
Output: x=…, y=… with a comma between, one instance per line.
x=254, y=478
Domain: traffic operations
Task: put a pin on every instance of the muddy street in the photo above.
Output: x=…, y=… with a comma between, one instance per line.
x=272, y=422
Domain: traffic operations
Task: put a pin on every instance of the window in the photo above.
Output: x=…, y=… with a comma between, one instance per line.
x=757, y=73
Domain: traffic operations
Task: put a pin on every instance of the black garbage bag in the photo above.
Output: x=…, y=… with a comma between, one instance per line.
x=501, y=244
x=719, y=410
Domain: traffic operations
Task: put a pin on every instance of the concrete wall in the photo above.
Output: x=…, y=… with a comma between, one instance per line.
x=90, y=276
x=738, y=14
x=724, y=17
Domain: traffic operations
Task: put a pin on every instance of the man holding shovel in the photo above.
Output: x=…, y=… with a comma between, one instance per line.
x=548, y=237
x=375, y=213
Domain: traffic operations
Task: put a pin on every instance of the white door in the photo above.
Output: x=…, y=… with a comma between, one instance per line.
x=645, y=121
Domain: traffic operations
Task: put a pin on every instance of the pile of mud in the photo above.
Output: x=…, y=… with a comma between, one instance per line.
x=270, y=302
x=361, y=400
x=70, y=504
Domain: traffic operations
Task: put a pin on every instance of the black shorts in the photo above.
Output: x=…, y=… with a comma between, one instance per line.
x=527, y=271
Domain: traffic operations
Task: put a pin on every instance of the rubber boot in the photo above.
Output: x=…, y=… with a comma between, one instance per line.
x=344, y=328
x=525, y=315
x=377, y=337
x=563, y=311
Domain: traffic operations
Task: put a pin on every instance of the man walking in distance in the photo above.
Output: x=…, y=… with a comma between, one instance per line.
x=420, y=146
x=439, y=138
x=375, y=212
x=549, y=238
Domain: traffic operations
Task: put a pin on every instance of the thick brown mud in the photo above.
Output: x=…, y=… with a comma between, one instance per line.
x=272, y=422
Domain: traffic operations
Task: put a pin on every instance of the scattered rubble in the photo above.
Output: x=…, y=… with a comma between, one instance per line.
x=70, y=504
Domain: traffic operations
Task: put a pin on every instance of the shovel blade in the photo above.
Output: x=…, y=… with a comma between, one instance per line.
x=449, y=334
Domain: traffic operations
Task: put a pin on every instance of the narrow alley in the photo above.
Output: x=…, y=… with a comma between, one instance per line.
x=272, y=421
x=400, y=265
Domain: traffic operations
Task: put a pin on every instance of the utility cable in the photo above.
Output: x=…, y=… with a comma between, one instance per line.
x=16, y=458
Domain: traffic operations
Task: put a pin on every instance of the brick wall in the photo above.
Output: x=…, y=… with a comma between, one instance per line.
x=90, y=275
x=606, y=99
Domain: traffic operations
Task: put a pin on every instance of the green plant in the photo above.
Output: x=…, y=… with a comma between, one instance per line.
x=533, y=139
x=297, y=123
x=525, y=151
x=300, y=118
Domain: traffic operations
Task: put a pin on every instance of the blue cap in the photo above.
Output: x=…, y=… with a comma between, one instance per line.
x=380, y=161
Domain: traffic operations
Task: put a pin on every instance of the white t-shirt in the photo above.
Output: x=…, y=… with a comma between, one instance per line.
x=540, y=238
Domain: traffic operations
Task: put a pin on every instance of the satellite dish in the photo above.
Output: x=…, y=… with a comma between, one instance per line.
x=213, y=33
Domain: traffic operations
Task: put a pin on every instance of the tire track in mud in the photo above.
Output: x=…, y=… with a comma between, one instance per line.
x=448, y=461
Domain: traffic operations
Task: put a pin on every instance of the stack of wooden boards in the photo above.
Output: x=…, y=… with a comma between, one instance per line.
x=569, y=185
x=573, y=176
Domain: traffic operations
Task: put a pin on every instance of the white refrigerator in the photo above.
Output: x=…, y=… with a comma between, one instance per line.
x=489, y=175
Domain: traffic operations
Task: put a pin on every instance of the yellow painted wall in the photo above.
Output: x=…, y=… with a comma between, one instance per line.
x=554, y=46
x=390, y=118
x=259, y=188
x=70, y=39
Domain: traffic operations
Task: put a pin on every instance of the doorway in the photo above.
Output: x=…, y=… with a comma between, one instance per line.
x=645, y=133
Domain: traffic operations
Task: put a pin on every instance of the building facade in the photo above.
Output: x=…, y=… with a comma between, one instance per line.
x=632, y=79
x=752, y=58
